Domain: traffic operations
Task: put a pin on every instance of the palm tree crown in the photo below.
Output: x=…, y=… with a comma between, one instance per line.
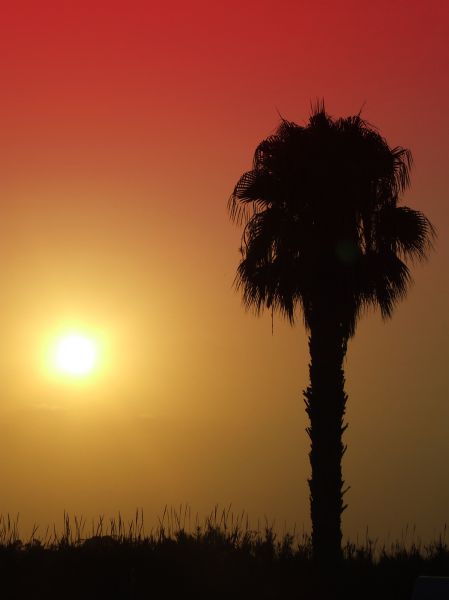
x=322, y=221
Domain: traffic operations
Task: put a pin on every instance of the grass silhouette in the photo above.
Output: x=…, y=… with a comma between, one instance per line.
x=220, y=557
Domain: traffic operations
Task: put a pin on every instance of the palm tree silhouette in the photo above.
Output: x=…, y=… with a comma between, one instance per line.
x=323, y=232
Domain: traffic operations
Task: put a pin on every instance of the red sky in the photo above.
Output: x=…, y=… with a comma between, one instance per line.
x=124, y=127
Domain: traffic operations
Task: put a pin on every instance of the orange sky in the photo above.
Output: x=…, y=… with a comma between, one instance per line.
x=124, y=127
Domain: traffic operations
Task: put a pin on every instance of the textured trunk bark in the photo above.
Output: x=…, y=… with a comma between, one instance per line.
x=325, y=405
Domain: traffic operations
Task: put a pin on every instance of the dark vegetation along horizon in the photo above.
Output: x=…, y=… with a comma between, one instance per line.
x=220, y=557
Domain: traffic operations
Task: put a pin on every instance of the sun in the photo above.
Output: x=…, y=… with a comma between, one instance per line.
x=75, y=355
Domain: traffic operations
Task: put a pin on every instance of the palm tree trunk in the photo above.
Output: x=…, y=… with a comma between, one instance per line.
x=325, y=405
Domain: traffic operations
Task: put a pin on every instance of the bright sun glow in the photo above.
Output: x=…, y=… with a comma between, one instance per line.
x=75, y=355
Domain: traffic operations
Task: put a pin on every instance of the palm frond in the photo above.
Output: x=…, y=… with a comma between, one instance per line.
x=249, y=196
x=402, y=164
x=383, y=279
x=405, y=231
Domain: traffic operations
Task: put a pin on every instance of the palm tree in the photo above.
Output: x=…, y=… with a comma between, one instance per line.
x=323, y=232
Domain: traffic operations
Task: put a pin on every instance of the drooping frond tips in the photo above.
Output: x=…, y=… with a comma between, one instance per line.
x=243, y=197
x=432, y=236
x=425, y=236
x=406, y=231
x=235, y=209
x=402, y=165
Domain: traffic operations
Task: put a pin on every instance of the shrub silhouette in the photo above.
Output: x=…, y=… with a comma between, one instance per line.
x=220, y=558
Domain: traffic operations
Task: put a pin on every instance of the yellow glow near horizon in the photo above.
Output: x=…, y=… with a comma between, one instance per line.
x=75, y=355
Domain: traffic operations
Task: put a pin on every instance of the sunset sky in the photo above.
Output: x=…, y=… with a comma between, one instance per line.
x=124, y=127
